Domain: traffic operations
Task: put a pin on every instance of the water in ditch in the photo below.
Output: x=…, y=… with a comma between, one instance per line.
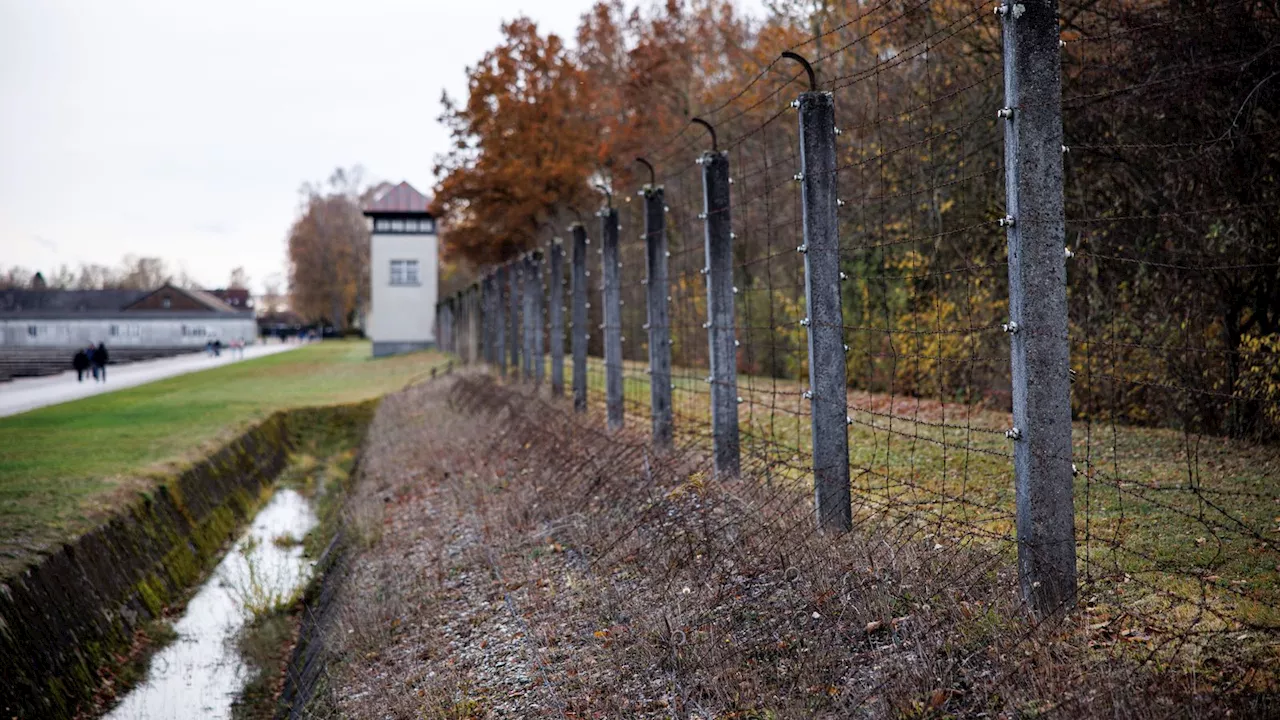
x=200, y=674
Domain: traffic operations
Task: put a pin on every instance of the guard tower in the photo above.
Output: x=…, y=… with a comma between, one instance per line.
x=403, y=270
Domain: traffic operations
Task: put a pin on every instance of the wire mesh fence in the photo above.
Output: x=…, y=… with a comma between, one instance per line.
x=1058, y=305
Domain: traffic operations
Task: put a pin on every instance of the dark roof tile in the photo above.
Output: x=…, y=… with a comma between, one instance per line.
x=400, y=199
x=12, y=301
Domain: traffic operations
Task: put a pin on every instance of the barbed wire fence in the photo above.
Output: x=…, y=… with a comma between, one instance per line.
x=1021, y=300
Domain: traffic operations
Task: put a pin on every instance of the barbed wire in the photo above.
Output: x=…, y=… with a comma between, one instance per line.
x=1172, y=324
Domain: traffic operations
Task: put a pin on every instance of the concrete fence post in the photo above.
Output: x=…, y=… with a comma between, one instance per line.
x=555, y=292
x=721, y=337
x=456, y=315
x=477, y=302
x=476, y=324
x=537, y=319
x=513, y=297
x=460, y=327
x=494, y=319
x=473, y=322
x=610, y=267
x=482, y=297
x=482, y=309
x=500, y=319
x=659, y=317
x=448, y=324
x=461, y=324
x=578, y=323
x=526, y=315
x=491, y=318
x=442, y=330
x=453, y=324
x=486, y=319
x=821, y=247
x=1035, y=228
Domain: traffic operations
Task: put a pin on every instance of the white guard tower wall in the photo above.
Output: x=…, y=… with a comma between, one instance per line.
x=404, y=272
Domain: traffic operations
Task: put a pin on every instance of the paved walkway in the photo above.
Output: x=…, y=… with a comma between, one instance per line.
x=25, y=394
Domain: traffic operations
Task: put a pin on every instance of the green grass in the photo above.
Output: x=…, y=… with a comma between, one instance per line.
x=66, y=467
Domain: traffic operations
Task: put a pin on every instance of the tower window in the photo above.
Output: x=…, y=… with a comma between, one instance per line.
x=404, y=272
x=404, y=225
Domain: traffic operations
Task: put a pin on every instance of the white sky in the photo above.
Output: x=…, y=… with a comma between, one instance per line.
x=183, y=129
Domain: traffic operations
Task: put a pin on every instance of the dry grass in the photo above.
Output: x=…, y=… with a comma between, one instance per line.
x=520, y=563
x=1189, y=522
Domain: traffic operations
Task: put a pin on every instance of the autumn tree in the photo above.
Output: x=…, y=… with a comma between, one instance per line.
x=521, y=155
x=1170, y=113
x=1173, y=128
x=328, y=247
x=544, y=124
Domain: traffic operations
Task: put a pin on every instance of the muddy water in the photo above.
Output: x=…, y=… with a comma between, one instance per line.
x=200, y=673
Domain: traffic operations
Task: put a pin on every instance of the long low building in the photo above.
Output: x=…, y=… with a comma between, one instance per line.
x=169, y=317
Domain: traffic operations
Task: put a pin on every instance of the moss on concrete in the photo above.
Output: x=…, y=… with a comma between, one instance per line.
x=66, y=619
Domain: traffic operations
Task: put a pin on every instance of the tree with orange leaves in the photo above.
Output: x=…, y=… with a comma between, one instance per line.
x=522, y=154
x=634, y=79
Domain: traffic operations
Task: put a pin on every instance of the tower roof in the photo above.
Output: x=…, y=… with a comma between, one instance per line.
x=401, y=198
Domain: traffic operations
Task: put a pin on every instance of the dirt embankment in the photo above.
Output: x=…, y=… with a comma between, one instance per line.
x=513, y=560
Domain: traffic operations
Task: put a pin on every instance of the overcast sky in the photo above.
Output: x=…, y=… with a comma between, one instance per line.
x=183, y=129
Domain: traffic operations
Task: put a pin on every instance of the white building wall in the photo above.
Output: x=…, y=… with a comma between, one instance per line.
x=402, y=314
x=141, y=332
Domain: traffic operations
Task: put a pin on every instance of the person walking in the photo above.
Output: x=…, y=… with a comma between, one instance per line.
x=81, y=363
x=88, y=353
x=100, y=360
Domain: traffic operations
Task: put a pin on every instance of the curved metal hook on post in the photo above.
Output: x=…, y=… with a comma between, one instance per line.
x=707, y=125
x=813, y=78
x=653, y=177
x=608, y=196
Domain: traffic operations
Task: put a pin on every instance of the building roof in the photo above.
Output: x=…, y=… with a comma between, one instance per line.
x=100, y=304
x=399, y=199
x=67, y=301
x=207, y=299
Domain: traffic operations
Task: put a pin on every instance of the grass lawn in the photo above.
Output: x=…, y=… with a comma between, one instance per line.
x=64, y=468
